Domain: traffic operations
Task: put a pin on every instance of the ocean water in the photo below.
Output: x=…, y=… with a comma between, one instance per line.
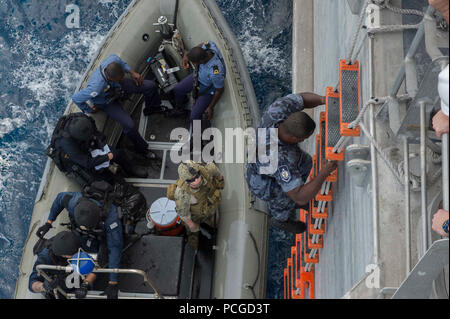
x=42, y=60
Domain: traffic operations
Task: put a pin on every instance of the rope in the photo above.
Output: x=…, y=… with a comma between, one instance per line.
x=355, y=35
x=382, y=154
x=360, y=22
x=415, y=180
x=388, y=6
x=251, y=287
x=355, y=56
x=361, y=114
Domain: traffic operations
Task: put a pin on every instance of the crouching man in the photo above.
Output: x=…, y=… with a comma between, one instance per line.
x=197, y=195
x=56, y=252
x=98, y=228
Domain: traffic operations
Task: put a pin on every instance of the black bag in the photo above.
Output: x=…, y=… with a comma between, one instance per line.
x=61, y=159
x=132, y=202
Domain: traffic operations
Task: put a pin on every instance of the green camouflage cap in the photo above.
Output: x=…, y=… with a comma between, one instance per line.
x=188, y=170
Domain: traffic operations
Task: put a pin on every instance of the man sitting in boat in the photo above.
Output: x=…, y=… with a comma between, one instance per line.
x=80, y=150
x=208, y=81
x=107, y=86
x=286, y=188
x=96, y=226
x=197, y=195
x=58, y=249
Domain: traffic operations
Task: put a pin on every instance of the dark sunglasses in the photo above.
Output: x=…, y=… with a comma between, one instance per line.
x=193, y=178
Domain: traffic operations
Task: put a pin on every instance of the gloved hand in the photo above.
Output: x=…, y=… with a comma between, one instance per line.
x=112, y=291
x=43, y=230
x=80, y=293
x=207, y=230
x=50, y=286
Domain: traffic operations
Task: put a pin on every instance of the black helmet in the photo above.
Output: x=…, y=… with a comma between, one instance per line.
x=80, y=128
x=87, y=213
x=65, y=243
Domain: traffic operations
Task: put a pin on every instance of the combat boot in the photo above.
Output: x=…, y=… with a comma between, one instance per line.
x=292, y=226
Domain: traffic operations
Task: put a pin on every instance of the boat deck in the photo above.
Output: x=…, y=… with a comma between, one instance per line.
x=182, y=273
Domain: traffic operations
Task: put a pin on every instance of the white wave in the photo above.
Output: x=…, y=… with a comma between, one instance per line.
x=260, y=52
x=261, y=56
x=9, y=124
x=47, y=73
x=2, y=237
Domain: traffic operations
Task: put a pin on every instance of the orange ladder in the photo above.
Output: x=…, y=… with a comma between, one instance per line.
x=342, y=109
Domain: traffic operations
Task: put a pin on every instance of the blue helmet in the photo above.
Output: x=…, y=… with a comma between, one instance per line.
x=82, y=263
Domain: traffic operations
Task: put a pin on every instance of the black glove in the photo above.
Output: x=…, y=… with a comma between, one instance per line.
x=112, y=291
x=50, y=286
x=207, y=230
x=80, y=293
x=43, y=230
x=98, y=141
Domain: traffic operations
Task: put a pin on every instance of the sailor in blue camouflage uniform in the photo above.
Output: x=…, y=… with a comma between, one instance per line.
x=208, y=82
x=282, y=181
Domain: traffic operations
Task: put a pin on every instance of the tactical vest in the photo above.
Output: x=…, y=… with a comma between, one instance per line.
x=208, y=196
x=60, y=158
x=98, y=233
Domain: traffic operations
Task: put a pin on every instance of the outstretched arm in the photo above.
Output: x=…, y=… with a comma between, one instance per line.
x=304, y=193
x=312, y=100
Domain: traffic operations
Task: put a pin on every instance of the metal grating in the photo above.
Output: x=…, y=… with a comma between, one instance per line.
x=322, y=143
x=350, y=96
x=334, y=133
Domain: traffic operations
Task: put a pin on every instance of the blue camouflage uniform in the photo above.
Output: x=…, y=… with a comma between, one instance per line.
x=96, y=92
x=293, y=167
x=112, y=228
x=44, y=258
x=211, y=76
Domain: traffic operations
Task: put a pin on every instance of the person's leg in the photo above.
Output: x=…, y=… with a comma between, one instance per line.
x=121, y=158
x=115, y=111
x=282, y=210
x=149, y=89
x=200, y=107
x=103, y=255
x=182, y=89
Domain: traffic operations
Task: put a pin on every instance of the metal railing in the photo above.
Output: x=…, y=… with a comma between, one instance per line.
x=416, y=286
x=41, y=271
